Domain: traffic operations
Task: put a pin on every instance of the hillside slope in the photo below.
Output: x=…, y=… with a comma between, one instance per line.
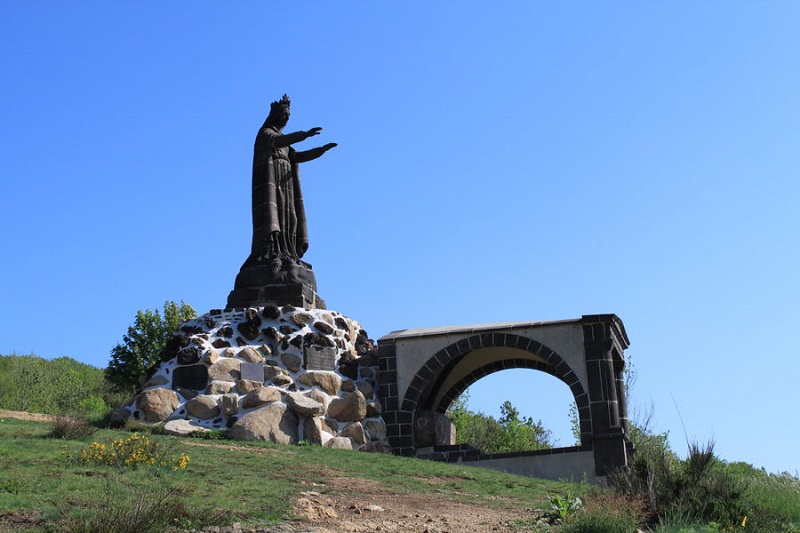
x=266, y=487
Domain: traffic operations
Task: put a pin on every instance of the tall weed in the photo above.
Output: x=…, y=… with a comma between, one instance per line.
x=605, y=513
x=150, y=508
x=72, y=428
x=701, y=493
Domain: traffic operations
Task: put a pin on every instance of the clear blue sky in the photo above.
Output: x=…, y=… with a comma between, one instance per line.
x=535, y=161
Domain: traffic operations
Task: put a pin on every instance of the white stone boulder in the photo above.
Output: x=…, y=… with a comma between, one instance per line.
x=183, y=428
x=351, y=408
x=327, y=381
x=226, y=369
x=157, y=404
x=204, y=407
x=273, y=422
x=261, y=396
x=303, y=405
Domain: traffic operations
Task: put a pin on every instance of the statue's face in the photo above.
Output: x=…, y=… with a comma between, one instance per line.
x=283, y=117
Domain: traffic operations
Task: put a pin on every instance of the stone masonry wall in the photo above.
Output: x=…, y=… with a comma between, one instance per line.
x=276, y=374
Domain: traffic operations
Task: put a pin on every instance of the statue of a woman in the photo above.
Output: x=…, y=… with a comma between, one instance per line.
x=280, y=235
x=274, y=272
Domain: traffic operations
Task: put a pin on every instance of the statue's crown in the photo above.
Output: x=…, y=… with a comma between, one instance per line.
x=283, y=102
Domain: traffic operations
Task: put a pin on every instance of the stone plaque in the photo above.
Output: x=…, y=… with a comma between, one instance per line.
x=193, y=377
x=320, y=358
x=253, y=371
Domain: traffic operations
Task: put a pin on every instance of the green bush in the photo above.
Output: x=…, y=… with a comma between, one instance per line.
x=93, y=407
x=701, y=493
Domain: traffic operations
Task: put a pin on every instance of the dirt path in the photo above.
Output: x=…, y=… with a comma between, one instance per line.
x=358, y=505
x=21, y=415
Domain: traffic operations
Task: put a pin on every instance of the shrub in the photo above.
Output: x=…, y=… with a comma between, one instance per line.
x=772, y=500
x=68, y=427
x=147, y=507
x=561, y=506
x=150, y=508
x=698, y=487
x=93, y=407
x=137, y=450
x=605, y=513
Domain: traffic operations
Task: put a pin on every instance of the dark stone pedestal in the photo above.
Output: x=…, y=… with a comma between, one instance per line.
x=260, y=285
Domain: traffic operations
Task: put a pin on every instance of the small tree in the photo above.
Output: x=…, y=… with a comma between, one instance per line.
x=522, y=434
x=508, y=434
x=141, y=347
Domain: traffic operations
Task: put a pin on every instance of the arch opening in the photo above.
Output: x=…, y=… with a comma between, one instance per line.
x=453, y=369
x=544, y=412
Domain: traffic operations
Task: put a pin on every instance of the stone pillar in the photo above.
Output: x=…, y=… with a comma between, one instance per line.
x=399, y=424
x=609, y=420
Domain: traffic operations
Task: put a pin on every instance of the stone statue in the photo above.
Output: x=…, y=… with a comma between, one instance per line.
x=280, y=235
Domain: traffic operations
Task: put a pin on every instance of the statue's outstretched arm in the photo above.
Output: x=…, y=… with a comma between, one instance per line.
x=308, y=155
x=290, y=138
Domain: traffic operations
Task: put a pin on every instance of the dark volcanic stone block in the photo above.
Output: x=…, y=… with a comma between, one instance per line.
x=189, y=356
x=193, y=377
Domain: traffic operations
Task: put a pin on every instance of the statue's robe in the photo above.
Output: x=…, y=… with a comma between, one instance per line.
x=279, y=218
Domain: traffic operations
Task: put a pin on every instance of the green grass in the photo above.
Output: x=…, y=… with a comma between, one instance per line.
x=253, y=483
x=772, y=498
x=41, y=478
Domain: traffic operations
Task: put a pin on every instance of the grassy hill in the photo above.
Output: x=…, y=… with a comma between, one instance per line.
x=45, y=485
x=111, y=478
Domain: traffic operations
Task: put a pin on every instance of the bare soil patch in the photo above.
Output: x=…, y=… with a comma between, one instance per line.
x=357, y=505
x=21, y=415
x=20, y=521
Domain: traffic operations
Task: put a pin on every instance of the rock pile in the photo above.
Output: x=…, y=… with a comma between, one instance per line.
x=283, y=375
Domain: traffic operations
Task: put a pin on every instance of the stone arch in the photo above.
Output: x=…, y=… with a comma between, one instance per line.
x=431, y=390
x=421, y=371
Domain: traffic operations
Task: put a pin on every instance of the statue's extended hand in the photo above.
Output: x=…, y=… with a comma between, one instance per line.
x=313, y=131
x=329, y=146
